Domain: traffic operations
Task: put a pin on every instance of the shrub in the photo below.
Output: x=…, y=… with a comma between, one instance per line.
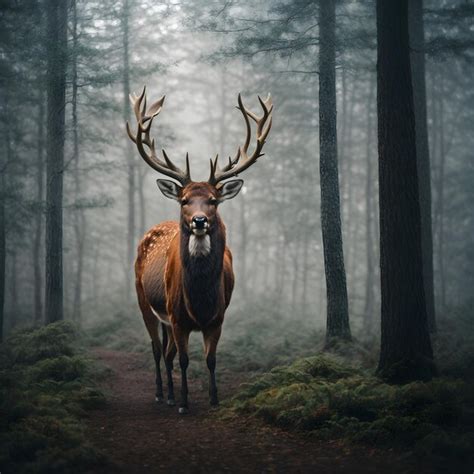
x=46, y=384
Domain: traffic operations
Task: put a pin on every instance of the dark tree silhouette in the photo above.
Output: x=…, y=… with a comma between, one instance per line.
x=56, y=46
x=336, y=289
x=38, y=232
x=406, y=352
x=417, y=51
x=128, y=149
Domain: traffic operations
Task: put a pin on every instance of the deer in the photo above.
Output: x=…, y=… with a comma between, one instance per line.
x=184, y=277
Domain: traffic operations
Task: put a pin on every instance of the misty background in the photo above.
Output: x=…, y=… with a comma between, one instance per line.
x=201, y=54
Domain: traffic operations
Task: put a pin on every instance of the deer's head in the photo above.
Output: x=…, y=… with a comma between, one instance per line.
x=199, y=200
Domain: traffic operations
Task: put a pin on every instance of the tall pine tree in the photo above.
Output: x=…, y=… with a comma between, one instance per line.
x=56, y=46
x=406, y=352
x=336, y=288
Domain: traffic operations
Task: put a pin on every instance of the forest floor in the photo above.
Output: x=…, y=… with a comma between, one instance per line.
x=137, y=435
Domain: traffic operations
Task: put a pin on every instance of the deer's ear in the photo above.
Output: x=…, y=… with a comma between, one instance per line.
x=230, y=189
x=169, y=188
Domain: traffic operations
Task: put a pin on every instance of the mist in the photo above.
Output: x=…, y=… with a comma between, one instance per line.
x=76, y=197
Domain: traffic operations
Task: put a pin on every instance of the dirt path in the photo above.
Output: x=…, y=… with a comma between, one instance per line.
x=141, y=436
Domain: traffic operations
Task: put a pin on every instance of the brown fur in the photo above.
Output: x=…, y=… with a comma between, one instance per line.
x=189, y=293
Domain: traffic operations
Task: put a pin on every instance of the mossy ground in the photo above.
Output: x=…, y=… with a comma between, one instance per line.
x=46, y=385
x=327, y=397
x=335, y=395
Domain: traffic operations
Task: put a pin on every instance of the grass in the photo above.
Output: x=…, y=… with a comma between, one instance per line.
x=46, y=386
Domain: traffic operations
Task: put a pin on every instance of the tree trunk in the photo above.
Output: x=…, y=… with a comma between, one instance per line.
x=369, y=191
x=417, y=54
x=13, y=281
x=343, y=132
x=336, y=290
x=38, y=287
x=56, y=89
x=3, y=249
x=347, y=210
x=304, y=294
x=440, y=200
x=128, y=152
x=344, y=161
x=2, y=253
x=79, y=215
x=406, y=352
x=4, y=164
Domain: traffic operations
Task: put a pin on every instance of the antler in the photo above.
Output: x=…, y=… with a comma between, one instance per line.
x=142, y=139
x=242, y=161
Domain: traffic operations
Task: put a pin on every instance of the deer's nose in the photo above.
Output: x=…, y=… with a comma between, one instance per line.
x=200, y=221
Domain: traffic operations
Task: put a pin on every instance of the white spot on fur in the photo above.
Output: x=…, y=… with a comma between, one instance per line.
x=199, y=246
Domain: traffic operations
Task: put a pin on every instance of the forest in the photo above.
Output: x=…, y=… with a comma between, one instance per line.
x=340, y=135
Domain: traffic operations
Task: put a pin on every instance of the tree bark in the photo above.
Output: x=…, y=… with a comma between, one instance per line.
x=13, y=281
x=369, y=190
x=79, y=215
x=3, y=248
x=304, y=294
x=2, y=251
x=406, y=352
x=38, y=286
x=336, y=289
x=128, y=151
x=56, y=42
x=417, y=54
x=440, y=200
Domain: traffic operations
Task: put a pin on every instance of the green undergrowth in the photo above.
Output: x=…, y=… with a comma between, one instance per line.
x=329, y=398
x=254, y=339
x=46, y=386
x=124, y=331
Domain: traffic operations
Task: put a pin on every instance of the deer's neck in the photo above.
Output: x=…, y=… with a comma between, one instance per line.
x=202, y=262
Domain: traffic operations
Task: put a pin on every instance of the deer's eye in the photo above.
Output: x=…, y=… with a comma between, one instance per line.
x=212, y=201
x=184, y=202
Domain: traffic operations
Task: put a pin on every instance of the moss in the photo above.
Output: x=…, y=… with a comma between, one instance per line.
x=62, y=368
x=32, y=345
x=46, y=384
x=332, y=399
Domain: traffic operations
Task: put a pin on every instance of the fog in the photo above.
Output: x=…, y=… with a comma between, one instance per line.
x=352, y=237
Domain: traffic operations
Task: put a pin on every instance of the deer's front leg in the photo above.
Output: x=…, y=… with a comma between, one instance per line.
x=211, y=338
x=170, y=353
x=181, y=338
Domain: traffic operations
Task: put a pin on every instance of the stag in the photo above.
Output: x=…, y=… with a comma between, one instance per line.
x=184, y=277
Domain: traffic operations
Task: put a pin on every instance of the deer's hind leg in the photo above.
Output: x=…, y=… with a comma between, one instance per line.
x=152, y=323
x=169, y=348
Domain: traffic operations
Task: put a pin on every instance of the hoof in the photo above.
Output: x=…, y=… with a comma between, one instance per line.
x=170, y=402
x=158, y=399
x=183, y=410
